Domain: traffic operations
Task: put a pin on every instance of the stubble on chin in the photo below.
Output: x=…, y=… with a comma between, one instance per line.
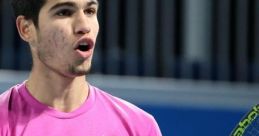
x=76, y=71
x=80, y=69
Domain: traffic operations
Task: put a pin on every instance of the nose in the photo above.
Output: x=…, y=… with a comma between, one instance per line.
x=81, y=24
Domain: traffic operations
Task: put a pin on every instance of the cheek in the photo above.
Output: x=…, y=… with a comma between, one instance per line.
x=55, y=38
x=52, y=44
x=97, y=26
x=96, y=29
x=94, y=25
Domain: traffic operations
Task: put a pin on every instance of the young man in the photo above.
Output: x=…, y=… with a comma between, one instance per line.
x=56, y=100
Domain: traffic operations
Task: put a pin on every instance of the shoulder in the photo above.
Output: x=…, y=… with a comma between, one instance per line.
x=4, y=116
x=4, y=101
x=9, y=96
x=136, y=117
x=7, y=100
x=9, y=103
x=119, y=103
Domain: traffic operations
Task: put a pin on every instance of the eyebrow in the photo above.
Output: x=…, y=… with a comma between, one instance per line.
x=63, y=4
x=92, y=2
x=72, y=4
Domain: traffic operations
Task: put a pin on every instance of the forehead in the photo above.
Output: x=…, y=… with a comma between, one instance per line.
x=51, y=3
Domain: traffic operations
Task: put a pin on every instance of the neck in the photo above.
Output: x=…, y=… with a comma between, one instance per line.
x=57, y=91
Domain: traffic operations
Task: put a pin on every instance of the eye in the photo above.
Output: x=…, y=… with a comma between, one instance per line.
x=64, y=12
x=90, y=11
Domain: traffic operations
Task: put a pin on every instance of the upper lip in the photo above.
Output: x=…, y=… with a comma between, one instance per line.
x=87, y=40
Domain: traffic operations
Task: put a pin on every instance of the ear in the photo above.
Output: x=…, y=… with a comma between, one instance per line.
x=25, y=28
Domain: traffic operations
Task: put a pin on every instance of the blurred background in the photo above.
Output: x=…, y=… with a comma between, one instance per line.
x=193, y=64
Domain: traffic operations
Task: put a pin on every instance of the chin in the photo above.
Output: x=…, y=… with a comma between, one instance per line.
x=82, y=73
x=79, y=71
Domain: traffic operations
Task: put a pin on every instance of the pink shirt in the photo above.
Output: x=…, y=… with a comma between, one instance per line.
x=101, y=115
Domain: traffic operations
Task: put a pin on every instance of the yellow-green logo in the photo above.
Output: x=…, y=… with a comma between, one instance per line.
x=246, y=121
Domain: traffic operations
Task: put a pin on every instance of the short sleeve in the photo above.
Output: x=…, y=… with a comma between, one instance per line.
x=154, y=129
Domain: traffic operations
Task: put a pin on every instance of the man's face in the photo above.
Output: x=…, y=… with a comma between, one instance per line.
x=66, y=35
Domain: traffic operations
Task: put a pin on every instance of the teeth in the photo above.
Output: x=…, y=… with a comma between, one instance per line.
x=83, y=44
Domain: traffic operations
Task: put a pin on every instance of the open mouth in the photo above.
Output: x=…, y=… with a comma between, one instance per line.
x=84, y=47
